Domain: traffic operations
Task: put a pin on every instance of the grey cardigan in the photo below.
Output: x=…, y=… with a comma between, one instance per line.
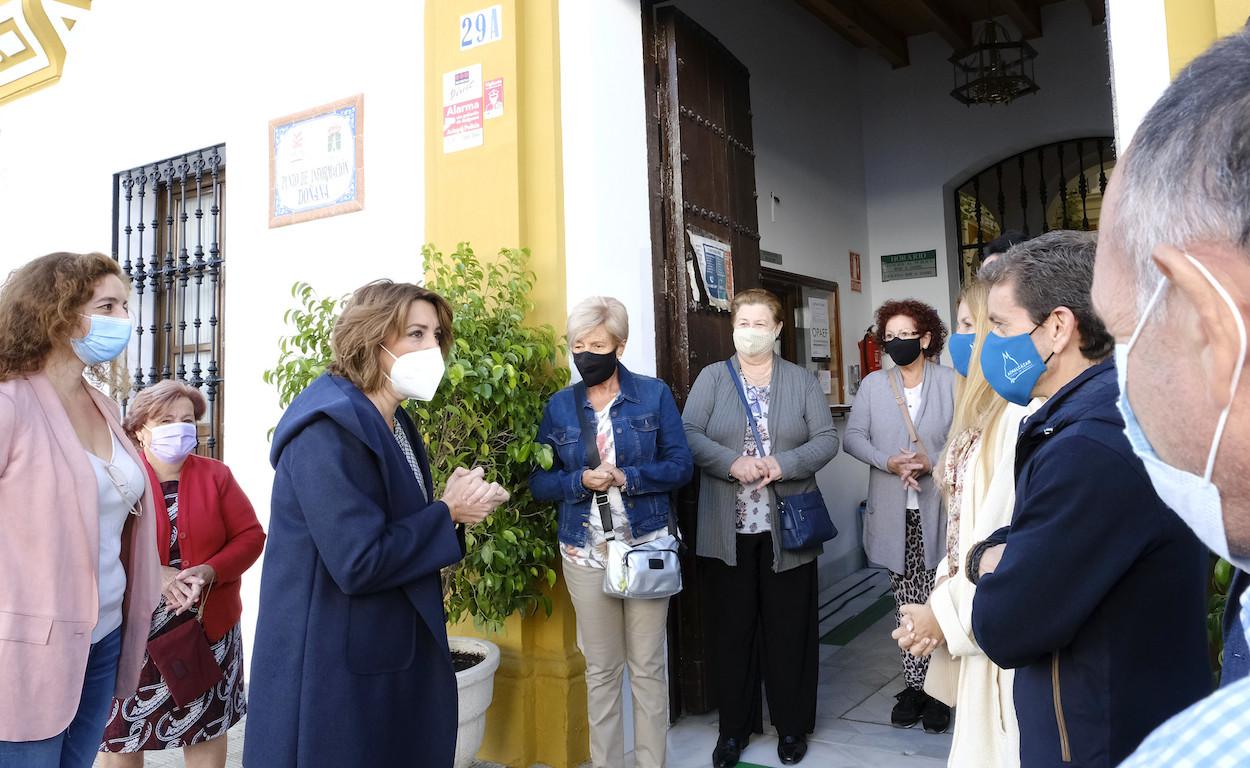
x=802, y=436
x=876, y=431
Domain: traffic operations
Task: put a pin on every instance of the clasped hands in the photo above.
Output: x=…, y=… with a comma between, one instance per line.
x=470, y=498
x=752, y=469
x=182, y=588
x=918, y=631
x=910, y=467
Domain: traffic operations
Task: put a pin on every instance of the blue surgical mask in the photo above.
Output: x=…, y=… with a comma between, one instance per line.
x=961, y=351
x=105, y=340
x=1194, y=499
x=1012, y=365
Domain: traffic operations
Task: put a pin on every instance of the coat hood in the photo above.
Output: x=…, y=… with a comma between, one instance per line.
x=329, y=396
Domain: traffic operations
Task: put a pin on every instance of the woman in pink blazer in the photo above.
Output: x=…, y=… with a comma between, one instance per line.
x=79, y=573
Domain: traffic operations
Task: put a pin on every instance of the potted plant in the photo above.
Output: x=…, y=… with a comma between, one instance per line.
x=486, y=413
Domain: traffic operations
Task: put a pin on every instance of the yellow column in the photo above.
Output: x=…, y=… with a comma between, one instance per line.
x=509, y=192
x=1194, y=24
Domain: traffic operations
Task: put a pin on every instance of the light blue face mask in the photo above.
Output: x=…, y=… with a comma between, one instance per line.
x=1196, y=500
x=961, y=351
x=1012, y=365
x=106, y=339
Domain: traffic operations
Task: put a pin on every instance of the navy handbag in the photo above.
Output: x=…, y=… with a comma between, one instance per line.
x=805, y=521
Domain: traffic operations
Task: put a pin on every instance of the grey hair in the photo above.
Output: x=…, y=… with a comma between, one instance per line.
x=1186, y=175
x=595, y=311
x=1056, y=270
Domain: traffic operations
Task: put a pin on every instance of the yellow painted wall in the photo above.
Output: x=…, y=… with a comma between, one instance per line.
x=1194, y=24
x=506, y=193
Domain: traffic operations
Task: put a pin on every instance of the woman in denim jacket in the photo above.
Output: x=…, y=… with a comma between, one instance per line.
x=644, y=457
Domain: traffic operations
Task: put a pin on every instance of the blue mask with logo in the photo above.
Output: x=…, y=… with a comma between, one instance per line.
x=107, y=338
x=1012, y=365
x=961, y=351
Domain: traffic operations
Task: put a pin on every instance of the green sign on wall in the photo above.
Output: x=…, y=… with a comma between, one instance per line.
x=908, y=266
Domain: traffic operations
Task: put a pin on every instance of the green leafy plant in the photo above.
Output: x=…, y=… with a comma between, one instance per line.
x=499, y=376
x=1217, y=600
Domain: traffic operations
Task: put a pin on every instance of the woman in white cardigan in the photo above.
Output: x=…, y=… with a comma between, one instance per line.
x=978, y=480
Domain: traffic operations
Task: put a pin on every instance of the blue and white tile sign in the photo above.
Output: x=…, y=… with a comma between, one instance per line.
x=481, y=27
x=315, y=163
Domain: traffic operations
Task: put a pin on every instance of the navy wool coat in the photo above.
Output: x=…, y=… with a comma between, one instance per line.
x=350, y=665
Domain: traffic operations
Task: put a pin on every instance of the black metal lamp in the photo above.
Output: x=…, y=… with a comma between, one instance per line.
x=997, y=70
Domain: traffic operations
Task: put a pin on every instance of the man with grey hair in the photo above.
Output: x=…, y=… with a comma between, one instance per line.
x=1092, y=557
x=1173, y=284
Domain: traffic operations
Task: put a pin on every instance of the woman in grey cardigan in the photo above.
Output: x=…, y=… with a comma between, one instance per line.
x=905, y=529
x=753, y=581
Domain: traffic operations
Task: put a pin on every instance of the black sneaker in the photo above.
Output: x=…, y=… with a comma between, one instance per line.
x=909, y=709
x=728, y=751
x=936, y=716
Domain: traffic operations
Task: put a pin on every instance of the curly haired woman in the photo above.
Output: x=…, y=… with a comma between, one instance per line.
x=905, y=529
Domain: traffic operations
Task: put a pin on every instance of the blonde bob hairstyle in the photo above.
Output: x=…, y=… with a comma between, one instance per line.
x=595, y=311
x=374, y=312
x=152, y=403
x=756, y=296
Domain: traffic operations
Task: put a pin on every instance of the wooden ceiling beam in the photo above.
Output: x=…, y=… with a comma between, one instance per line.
x=1097, y=10
x=954, y=29
x=1026, y=16
x=853, y=21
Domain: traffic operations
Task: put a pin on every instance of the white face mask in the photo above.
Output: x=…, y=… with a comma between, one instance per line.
x=417, y=375
x=1196, y=500
x=753, y=341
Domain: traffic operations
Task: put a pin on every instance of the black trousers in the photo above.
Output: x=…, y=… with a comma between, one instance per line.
x=767, y=620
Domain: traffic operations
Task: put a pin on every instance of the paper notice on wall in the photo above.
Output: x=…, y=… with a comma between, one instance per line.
x=818, y=327
x=826, y=381
x=494, y=98
x=462, y=109
x=715, y=264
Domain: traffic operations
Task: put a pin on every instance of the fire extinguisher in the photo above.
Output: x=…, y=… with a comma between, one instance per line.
x=869, y=353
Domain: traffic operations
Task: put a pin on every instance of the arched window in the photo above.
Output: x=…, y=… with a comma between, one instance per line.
x=1054, y=186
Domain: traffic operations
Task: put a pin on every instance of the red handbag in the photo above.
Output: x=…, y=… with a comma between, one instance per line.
x=185, y=658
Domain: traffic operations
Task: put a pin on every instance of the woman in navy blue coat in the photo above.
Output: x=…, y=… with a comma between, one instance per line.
x=351, y=666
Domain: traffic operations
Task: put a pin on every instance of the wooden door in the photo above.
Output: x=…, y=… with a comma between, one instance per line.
x=702, y=165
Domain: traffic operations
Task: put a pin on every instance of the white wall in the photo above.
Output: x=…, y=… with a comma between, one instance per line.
x=1140, y=70
x=607, y=229
x=919, y=141
x=808, y=129
x=133, y=93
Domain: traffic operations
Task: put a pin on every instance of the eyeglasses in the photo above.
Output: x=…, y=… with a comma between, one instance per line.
x=905, y=335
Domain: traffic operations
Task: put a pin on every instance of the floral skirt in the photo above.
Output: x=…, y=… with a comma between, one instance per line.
x=151, y=720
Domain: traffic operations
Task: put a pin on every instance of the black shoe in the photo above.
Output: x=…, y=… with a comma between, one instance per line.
x=936, y=716
x=791, y=749
x=728, y=751
x=908, y=710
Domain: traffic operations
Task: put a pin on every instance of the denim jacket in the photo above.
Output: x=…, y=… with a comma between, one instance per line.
x=651, y=451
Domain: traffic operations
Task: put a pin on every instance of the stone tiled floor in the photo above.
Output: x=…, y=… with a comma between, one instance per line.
x=857, y=686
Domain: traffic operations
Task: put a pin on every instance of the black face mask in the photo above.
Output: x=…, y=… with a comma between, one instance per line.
x=903, y=351
x=595, y=367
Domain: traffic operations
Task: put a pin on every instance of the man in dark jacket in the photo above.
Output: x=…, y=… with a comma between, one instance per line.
x=1097, y=598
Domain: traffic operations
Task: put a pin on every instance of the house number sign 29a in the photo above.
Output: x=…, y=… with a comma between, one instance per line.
x=481, y=27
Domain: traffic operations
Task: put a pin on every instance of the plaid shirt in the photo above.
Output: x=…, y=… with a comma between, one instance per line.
x=1214, y=733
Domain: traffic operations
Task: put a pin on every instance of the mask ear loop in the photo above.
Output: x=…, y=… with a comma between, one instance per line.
x=1241, y=361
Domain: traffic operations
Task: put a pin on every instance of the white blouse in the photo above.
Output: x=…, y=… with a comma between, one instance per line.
x=120, y=483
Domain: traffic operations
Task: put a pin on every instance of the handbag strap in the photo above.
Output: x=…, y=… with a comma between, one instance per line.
x=902, y=406
x=199, y=613
x=742, y=395
x=593, y=459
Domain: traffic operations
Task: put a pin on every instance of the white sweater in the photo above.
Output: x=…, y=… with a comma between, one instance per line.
x=986, y=732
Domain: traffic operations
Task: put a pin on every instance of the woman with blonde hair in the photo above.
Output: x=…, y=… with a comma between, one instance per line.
x=978, y=481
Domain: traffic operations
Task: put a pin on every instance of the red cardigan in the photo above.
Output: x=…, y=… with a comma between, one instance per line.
x=216, y=526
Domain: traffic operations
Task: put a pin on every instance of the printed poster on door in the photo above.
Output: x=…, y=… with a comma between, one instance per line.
x=462, y=109
x=818, y=327
x=714, y=263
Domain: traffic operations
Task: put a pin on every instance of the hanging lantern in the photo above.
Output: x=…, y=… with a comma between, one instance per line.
x=997, y=70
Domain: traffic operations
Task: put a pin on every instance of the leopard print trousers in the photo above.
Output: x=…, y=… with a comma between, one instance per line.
x=912, y=587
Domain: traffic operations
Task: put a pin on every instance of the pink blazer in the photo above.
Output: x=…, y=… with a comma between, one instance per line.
x=49, y=556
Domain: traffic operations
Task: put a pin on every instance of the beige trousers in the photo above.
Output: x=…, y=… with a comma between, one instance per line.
x=614, y=634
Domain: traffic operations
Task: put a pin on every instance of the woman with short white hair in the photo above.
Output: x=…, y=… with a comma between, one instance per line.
x=641, y=457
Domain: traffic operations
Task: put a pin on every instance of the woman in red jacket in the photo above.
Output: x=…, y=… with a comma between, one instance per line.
x=206, y=533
